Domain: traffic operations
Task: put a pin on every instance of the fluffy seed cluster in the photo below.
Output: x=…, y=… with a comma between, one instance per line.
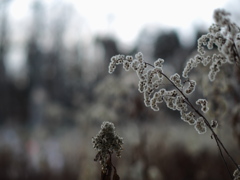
x=200, y=126
x=203, y=103
x=214, y=124
x=175, y=78
x=151, y=85
x=193, y=63
x=225, y=35
x=191, y=87
x=106, y=142
x=188, y=117
x=236, y=174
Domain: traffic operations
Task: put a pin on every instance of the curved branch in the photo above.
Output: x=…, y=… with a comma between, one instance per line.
x=216, y=138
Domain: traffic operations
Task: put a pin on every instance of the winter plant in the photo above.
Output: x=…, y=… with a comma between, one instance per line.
x=223, y=35
x=106, y=142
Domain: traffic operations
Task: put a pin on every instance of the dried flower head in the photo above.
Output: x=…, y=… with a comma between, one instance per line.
x=191, y=87
x=200, y=126
x=150, y=83
x=203, y=103
x=225, y=35
x=106, y=142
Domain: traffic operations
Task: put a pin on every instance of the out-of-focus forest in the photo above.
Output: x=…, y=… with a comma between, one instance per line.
x=54, y=101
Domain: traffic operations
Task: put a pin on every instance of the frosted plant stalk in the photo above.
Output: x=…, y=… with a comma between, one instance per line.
x=106, y=142
x=223, y=34
x=150, y=84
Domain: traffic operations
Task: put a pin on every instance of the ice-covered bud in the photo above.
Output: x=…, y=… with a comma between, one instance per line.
x=204, y=104
x=202, y=41
x=119, y=59
x=158, y=97
x=157, y=83
x=198, y=58
x=214, y=124
x=175, y=78
x=134, y=64
x=116, y=60
x=111, y=67
x=171, y=93
x=140, y=71
x=170, y=102
x=149, y=77
x=191, y=87
x=186, y=70
x=159, y=71
x=147, y=97
x=180, y=103
x=153, y=104
x=217, y=61
x=207, y=60
x=212, y=75
x=129, y=58
x=142, y=85
x=189, y=66
x=126, y=65
x=193, y=62
x=151, y=73
x=162, y=91
x=221, y=17
x=200, y=126
x=139, y=57
x=159, y=62
x=188, y=117
x=214, y=28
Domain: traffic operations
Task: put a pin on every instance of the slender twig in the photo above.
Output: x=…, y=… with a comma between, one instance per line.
x=228, y=154
x=220, y=150
x=216, y=138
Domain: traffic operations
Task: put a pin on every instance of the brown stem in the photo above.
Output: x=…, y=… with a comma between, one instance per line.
x=107, y=175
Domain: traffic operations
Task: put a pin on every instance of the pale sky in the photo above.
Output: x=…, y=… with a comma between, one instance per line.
x=123, y=19
x=126, y=17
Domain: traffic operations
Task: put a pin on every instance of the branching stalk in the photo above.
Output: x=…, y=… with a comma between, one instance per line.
x=216, y=138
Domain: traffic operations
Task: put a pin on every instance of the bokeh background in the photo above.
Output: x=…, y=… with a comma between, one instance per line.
x=55, y=90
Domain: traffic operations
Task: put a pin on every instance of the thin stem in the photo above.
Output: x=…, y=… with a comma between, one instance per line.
x=169, y=81
x=216, y=138
x=218, y=141
x=220, y=150
x=228, y=153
